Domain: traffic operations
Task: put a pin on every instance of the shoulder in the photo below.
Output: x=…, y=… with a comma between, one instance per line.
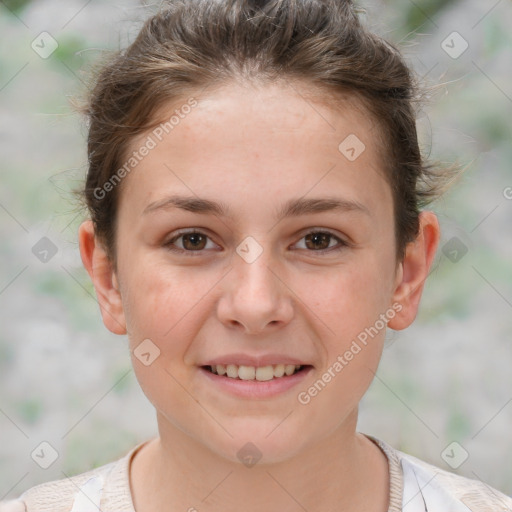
x=439, y=488
x=108, y=483
x=57, y=495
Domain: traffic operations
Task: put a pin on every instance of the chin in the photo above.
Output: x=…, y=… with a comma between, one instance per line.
x=259, y=444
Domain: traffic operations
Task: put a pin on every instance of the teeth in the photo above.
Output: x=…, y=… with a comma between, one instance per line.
x=247, y=372
x=232, y=371
x=278, y=370
x=262, y=373
x=289, y=369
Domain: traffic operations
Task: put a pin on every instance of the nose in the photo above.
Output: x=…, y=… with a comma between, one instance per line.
x=256, y=297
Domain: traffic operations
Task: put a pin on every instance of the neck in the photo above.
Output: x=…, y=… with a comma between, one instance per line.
x=343, y=471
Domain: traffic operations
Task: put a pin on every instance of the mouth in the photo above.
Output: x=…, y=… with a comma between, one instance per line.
x=260, y=376
x=256, y=373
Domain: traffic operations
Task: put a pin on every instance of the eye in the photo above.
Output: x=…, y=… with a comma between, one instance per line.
x=192, y=241
x=195, y=242
x=320, y=241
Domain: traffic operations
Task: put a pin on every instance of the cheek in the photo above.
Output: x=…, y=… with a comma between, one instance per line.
x=159, y=302
x=349, y=304
x=161, y=305
x=346, y=299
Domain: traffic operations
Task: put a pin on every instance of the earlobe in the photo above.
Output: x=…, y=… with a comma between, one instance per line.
x=414, y=270
x=104, y=279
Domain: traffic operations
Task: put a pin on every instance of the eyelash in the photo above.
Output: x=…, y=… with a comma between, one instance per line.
x=169, y=245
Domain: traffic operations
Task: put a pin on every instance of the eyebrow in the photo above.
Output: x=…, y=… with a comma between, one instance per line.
x=292, y=208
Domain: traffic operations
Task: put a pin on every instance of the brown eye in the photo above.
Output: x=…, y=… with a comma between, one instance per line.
x=194, y=241
x=191, y=242
x=321, y=241
x=318, y=240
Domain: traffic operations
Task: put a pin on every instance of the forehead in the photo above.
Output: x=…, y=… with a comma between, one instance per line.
x=262, y=142
x=267, y=110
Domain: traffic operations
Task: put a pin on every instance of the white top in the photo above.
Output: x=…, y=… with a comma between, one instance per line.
x=415, y=486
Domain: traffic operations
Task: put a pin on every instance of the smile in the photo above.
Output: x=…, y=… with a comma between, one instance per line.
x=261, y=373
x=254, y=382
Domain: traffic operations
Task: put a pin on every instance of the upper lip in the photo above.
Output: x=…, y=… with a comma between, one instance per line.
x=257, y=361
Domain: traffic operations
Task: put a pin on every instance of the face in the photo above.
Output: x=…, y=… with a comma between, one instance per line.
x=274, y=274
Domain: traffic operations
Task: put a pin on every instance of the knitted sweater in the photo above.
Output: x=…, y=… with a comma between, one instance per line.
x=415, y=486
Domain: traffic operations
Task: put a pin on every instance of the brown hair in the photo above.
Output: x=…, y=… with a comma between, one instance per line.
x=191, y=45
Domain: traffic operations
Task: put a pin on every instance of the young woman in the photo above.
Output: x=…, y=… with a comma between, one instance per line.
x=255, y=190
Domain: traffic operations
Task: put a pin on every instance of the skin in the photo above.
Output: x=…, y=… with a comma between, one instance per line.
x=253, y=150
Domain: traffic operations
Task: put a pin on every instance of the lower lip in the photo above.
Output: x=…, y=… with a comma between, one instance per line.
x=255, y=388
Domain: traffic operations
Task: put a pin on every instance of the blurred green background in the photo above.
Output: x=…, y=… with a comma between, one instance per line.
x=66, y=380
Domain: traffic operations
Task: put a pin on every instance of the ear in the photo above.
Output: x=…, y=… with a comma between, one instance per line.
x=100, y=269
x=413, y=271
